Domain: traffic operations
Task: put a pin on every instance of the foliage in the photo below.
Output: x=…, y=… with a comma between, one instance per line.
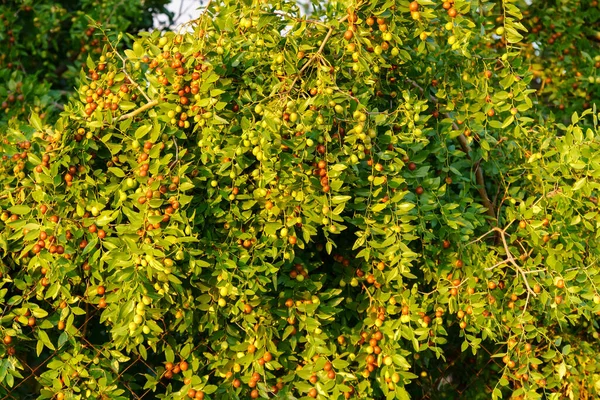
x=44, y=43
x=377, y=201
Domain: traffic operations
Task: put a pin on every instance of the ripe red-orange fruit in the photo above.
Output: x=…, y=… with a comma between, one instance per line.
x=184, y=365
x=414, y=6
x=452, y=12
x=348, y=35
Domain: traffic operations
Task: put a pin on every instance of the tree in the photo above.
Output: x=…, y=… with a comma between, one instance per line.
x=44, y=45
x=382, y=200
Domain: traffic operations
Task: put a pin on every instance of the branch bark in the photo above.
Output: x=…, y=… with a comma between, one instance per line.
x=138, y=111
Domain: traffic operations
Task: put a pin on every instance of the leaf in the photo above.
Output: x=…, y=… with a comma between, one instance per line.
x=106, y=217
x=142, y=131
x=340, y=199
x=562, y=370
x=45, y=339
x=169, y=355
x=118, y=172
x=209, y=389
x=36, y=121
x=20, y=209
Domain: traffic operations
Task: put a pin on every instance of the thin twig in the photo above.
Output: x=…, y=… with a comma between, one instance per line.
x=124, y=69
x=316, y=55
x=197, y=20
x=497, y=265
x=290, y=16
x=511, y=259
x=138, y=111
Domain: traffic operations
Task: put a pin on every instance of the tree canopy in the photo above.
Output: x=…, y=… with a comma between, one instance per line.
x=382, y=199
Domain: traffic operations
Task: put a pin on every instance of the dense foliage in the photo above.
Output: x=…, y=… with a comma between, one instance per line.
x=44, y=43
x=387, y=199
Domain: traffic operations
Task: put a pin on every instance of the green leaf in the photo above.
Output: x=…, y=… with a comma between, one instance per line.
x=43, y=336
x=118, y=172
x=142, y=131
x=36, y=121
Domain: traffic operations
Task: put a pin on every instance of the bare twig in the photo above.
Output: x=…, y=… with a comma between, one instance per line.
x=139, y=110
x=307, y=20
x=197, y=20
x=488, y=232
x=512, y=260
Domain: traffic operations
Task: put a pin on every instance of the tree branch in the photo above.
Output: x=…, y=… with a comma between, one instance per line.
x=520, y=270
x=462, y=140
x=316, y=55
x=138, y=111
